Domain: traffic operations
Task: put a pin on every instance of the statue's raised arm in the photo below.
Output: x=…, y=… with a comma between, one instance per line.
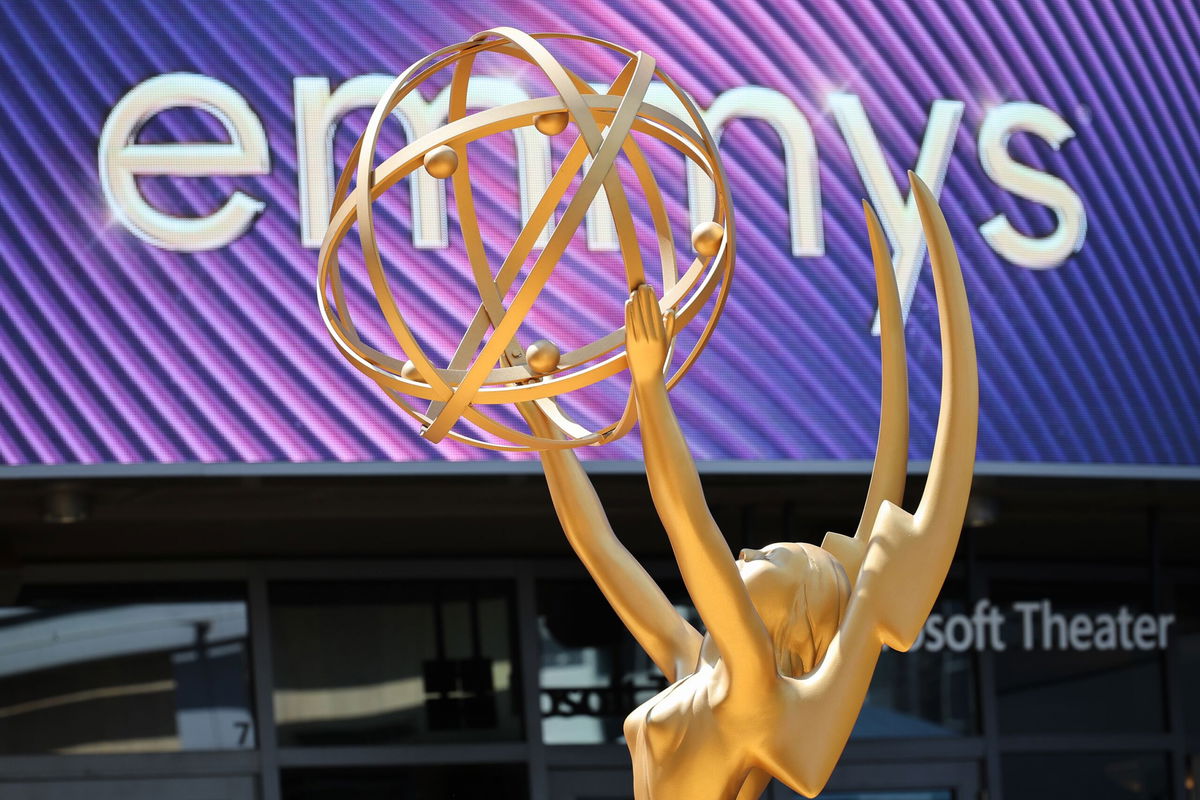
x=668, y=639
x=712, y=578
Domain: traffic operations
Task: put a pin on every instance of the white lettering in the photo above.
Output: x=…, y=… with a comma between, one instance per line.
x=318, y=113
x=1106, y=632
x=1145, y=631
x=122, y=160
x=1033, y=252
x=936, y=639
x=1164, y=624
x=995, y=621
x=917, y=644
x=1080, y=632
x=1123, y=620
x=958, y=633
x=899, y=217
x=1053, y=624
x=983, y=628
x=799, y=161
x=1026, y=609
x=319, y=110
x=799, y=164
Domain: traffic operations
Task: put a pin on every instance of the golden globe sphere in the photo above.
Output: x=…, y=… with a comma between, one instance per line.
x=448, y=393
x=409, y=372
x=553, y=123
x=441, y=162
x=543, y=356
x=706, y=238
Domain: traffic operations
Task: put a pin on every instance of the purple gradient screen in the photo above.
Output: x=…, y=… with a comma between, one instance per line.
x=114, y=349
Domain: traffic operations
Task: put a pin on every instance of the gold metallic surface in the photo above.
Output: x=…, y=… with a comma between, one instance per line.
x=552, y=124
x=441, y=162
x=409, y=372
x=543, y=356
x=794, y=631
x=461, y=390
x=706, y=238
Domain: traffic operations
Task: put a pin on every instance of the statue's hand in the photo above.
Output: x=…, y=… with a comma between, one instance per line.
x=648, y=336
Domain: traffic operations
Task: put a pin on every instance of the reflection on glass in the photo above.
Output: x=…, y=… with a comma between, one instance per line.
x=1185, y=638
x=593, y=673
x=1048, y=684
x=385, y=662
x=105, y=670
x=242, y=787
x=1096, y=776
x=786, y=794
x=491, y=781
x=926, y=692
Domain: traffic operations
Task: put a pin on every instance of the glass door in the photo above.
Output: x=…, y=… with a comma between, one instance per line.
x=907, y=781
x=591, y=784
x=230, y=788
x=938, y=780
x=938, y=794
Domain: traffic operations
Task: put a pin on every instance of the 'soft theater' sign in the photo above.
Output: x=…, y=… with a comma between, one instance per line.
x=1039, y=627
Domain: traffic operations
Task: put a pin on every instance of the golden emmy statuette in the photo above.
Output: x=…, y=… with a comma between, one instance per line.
x=505, y=370
x=794, y=631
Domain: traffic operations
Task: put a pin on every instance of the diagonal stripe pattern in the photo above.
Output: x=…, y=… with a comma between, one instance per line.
x=116, y=352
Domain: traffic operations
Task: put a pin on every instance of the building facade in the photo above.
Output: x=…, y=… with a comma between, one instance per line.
x=282, y=638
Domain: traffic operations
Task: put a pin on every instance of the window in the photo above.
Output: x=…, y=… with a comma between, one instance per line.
x=928, y=691
x=1080, y=657
x=592, y=673
x=784, y=792
x=115, y=669
x=493, y=781
x=210, y=788
x=388, y=662
x=1186, y=641
x=1096, y=776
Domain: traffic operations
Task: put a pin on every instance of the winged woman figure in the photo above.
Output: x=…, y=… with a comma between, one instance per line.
x=794, y=631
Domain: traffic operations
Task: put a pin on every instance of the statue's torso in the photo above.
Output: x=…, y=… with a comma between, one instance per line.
x=677, y=747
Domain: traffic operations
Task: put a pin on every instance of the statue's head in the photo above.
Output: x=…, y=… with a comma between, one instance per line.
x=801, y=593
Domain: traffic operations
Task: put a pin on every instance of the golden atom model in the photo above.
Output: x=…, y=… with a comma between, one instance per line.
x=505, y=369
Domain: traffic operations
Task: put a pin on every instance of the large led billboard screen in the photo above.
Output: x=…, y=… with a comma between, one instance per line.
x=167, y=171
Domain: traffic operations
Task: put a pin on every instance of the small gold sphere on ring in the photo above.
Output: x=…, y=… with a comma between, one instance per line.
x=409, y=372
x=552, y=123
x=706, y=238
x=441, y=162
x=542, y=356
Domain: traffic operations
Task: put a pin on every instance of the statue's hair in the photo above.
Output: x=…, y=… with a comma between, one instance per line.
x=818, y=606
